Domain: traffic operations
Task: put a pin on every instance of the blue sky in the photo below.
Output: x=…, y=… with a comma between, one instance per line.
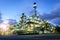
x=12, y=9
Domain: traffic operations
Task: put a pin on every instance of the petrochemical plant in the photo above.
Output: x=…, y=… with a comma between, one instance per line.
x=31, y=25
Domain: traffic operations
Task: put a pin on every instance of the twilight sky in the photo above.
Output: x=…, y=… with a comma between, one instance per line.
x=48, y=9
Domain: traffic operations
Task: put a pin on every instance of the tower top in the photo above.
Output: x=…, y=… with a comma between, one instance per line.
x=34, y=2
x=34, y=5
x=23, y=15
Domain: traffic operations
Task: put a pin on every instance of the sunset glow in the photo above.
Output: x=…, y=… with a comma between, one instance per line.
x=4, y=26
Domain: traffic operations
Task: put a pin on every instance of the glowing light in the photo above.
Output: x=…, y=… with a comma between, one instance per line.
x=4, y=26
x=6, y=22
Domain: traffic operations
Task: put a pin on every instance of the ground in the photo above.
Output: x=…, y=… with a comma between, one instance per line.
x=32, y=37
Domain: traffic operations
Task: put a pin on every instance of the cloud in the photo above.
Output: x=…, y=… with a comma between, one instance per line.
x=53, y=16
x=56, y=21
